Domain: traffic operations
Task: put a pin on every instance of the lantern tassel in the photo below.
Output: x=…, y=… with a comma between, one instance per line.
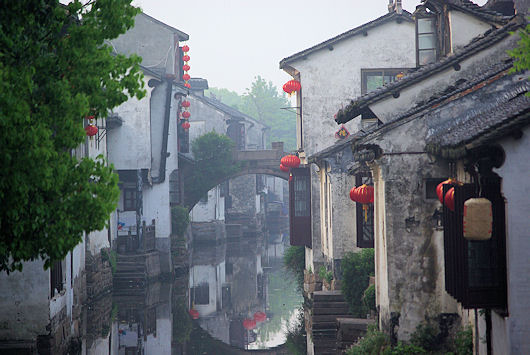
x=365, y=209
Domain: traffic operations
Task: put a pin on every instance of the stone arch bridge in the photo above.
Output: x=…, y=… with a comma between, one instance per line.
x=266, y=162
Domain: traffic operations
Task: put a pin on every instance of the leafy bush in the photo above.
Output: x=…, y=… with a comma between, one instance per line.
x=378, y=343
x=464, y=342
x=180, y=218
x=324, y=274
x=426, y=336
x=357, y=268
x=369, y=298
x=294, y=261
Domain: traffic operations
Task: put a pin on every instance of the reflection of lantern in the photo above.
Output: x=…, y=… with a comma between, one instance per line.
x=260, y=316
x=450, y=199
x=194, y=314
x=91, y=130
x=186, y=114
x=185, y=103
x=478, y=219
x=290, y=161
x=249, y=324
x=185, y=125
x=188, y=85
x=291, y=86
x=440, y=187
x=284, y=168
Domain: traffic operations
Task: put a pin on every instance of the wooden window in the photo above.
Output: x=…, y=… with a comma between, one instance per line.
x=475, y=271
x=56, y=278
x=300, y=207
x=372, y=79
x=201, y=293
x=426, y=40
x=129, y=199
x=174, y=187
x=364, y=222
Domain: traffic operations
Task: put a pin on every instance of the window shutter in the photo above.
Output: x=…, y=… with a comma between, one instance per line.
x=300, y=207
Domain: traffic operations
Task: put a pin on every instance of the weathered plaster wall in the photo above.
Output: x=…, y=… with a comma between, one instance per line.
x=205, y=118
x=129, y=146
x=212, y=209
x=464, y=28
x=330, y=79
x=243, y=189
x=152, y=41
x=24, y=302
x=158, y=343
x=516, y=189
x=406, y=231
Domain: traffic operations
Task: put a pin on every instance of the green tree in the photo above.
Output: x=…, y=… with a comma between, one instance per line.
x=356, y=271
x=214, y=164
x=521, y=53
x=55, y=69
x=263, y=102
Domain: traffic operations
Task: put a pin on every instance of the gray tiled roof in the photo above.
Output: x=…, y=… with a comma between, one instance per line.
x=391, y=16
x=344, y=143
x=478, y=11
x=480, y=43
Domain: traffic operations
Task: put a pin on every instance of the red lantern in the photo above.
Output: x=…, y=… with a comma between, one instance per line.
x=185, y=103
x=260, y=316
x=290, y=161
x=186, y=58
x=249, y=324
x=440, y=187
x=284, y=168
x=186, y=77
x=91, y=130
x=186, y=114
x=188, y=85
x=291, y=86
x=185, y=125
x=194, y=314
x=185, y=48
x=353, y=194
x=186, y=67
x=450, y=199
x=363, y=194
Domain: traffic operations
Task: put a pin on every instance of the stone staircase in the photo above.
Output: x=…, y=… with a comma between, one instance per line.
x=327, y=307
x=131, y=273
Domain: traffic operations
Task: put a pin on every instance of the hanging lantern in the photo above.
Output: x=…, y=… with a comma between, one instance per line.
x=291, y=86
x=186, y=58
x=186, y=67
x=450, y=199
x=186, y=77
x=440, y=187
x=185, y=48
x=186, y=114
x=194, y=314
x=478, y=219
x=260, y=316
x=91, y=130
x=290, y=161
x=364, y=194
x=187, y=85
x=185, y=125
x=284, y=168
x=185, y=103
x=353, y=194
x=249, y=324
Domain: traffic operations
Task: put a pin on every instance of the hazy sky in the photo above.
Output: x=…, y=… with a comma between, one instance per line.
x=232, y=41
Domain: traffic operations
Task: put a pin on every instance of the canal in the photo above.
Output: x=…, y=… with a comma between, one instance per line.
x=224, y=296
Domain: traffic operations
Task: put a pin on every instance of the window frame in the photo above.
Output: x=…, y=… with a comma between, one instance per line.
x=126, y=205
x=361, y=225
x=300, y=224
x=434, y=34
x=384, y=71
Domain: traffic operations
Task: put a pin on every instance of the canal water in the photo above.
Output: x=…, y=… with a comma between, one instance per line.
x=234, y=294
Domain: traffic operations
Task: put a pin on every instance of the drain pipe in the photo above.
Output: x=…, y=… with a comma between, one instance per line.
x=162, y=171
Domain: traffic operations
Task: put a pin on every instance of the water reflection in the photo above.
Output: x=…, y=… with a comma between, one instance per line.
x=238, y=288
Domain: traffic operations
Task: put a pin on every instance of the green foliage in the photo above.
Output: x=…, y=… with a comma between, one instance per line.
x=111, y=257
x=324, y=274
x=263, y=102
x=294, y=261
x=182, y=323
x=521, y=54
x=296, y=337
x=214, y=163
x=463, y=344
x=369, y=298
x=426, y=336
x=378, y=343
x=356, y=271
x=54, y=71
x=180, y=218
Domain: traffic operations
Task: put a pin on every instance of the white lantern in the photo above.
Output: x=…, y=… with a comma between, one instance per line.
x=478, y=219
